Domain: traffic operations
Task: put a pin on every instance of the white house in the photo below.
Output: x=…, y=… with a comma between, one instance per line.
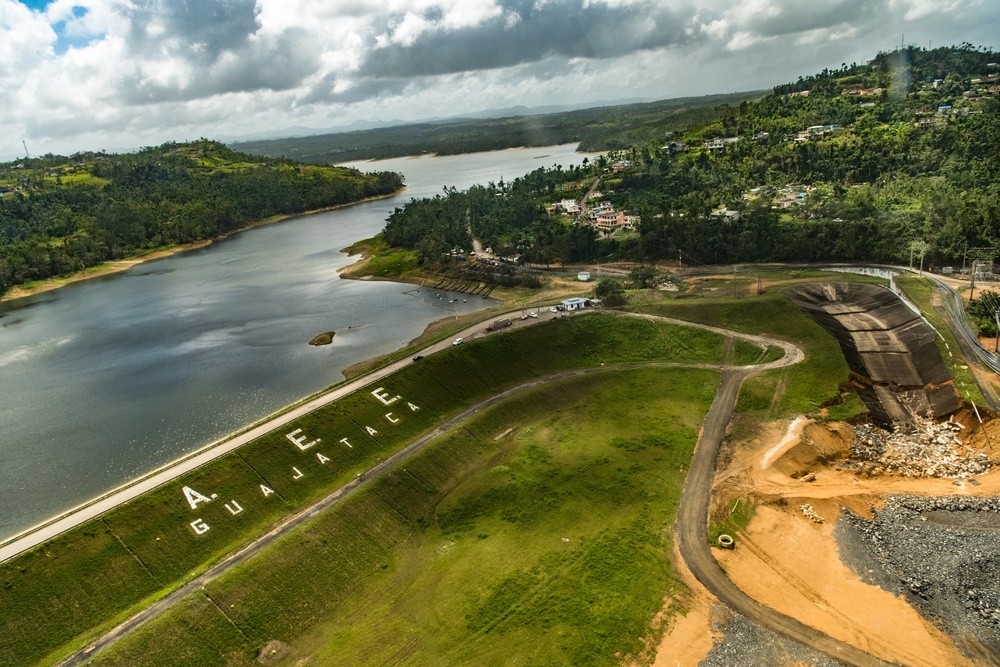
x=576, y=303
x=570, y=206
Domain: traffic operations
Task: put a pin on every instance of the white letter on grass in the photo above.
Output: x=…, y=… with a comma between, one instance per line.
x=382, y=395
x=298, y=441
x=194, y=498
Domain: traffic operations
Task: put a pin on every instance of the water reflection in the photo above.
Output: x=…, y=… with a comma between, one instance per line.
x=103, y=380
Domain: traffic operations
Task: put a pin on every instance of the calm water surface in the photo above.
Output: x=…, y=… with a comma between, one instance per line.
x=106, y=379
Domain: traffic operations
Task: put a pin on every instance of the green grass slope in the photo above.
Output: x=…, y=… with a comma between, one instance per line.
x=52, y=598
x=546, y=546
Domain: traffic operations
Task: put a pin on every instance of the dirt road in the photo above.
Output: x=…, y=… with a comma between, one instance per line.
x=692, y=518
x=692, y=521
x=732, y=377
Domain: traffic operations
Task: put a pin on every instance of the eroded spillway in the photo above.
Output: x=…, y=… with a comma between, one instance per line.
x=896, y=367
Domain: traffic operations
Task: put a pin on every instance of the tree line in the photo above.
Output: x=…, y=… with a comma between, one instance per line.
x=59, y=215
x=892, y=168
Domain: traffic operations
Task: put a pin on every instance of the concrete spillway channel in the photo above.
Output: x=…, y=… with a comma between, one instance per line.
x=896, y=367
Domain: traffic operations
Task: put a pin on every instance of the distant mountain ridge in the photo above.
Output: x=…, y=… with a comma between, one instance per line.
x=297, y=131
x=596, y=128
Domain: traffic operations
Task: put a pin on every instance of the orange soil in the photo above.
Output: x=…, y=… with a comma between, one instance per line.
x=792, y=564
x=689, y=637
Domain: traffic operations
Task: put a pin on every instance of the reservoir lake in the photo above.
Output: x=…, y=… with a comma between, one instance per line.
x=106, y=379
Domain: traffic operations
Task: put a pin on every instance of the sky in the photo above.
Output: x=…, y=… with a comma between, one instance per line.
x=116, y=75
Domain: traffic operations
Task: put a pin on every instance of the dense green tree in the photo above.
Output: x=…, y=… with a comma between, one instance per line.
x=59, y=215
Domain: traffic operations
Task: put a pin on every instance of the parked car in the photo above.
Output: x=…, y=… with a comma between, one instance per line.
x=418, y=357
x=553, y=309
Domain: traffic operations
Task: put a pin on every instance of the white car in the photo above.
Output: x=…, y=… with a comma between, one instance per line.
x=553, y=309
x=457, y=341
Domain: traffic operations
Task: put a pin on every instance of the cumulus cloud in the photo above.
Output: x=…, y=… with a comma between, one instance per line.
x=526, y=31
x=111, y=71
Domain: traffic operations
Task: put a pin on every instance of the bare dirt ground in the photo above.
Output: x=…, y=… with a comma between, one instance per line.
x=689, y=636
x=792, y=564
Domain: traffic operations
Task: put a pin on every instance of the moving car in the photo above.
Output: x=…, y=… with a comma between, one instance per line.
x=457, y=341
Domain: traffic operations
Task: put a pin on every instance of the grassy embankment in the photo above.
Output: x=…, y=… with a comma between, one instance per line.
x=921, y=291
x=549, y=545
x=484, y=549
x=811, y=388
x=814, y=387
x=63, y=593
x=488, y=551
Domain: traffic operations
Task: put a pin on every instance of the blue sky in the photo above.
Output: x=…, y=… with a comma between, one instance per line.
x=63, y=41
x=36, y=4
x=120, y=74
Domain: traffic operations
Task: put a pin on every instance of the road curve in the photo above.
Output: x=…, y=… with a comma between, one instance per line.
x=692, y=539
x=691, y=524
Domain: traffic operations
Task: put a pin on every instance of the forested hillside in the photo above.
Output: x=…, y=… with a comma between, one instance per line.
x=596, y=129
x=59, y=215
x=880, y=162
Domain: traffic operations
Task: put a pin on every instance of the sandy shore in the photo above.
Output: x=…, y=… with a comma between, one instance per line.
x=107, y=268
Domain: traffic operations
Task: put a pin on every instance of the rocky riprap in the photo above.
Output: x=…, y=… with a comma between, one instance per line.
x=924, y=449
x=748, y=644
x=943, y=554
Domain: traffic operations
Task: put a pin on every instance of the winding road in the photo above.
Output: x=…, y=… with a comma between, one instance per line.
x=691, y=524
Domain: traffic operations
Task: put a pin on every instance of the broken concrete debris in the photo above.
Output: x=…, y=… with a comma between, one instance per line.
x=810, y=513
x=923, y=449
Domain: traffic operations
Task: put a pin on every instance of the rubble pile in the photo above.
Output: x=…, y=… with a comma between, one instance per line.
x=923, y=449
x=810, y=513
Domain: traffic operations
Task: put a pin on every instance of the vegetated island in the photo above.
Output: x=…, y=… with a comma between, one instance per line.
x=68, y=218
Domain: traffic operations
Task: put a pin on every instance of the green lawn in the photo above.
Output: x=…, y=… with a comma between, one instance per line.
x=920, y=290
x=548, y=546
x=776, y=394
x=148, y=546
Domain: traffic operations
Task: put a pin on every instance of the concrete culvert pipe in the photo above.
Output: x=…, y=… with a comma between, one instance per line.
x=726, y=541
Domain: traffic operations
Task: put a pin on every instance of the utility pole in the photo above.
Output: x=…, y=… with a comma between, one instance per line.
x=996, y=346
x=680, y=262
x=981, y=257
x=965, y=254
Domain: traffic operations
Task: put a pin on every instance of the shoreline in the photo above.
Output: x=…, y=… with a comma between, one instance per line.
x=23, y=540
x=119, y=265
